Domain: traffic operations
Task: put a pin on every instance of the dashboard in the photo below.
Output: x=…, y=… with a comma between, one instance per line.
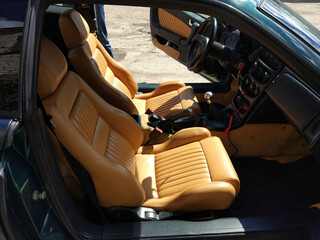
x=260, y=67
x=264, y=74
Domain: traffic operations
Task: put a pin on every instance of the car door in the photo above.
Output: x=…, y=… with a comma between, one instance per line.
x=172, y=31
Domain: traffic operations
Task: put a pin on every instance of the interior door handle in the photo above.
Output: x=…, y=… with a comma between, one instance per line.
x=191, y=22
x=194, y=28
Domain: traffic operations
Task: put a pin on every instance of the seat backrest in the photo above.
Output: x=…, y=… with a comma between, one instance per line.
x=92, y=62
x=101, y=137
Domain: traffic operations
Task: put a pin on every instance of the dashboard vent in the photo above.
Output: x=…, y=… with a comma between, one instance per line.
x=269, y=59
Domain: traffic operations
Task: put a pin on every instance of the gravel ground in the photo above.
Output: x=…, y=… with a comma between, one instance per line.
x=130, y=39
x=129, y=35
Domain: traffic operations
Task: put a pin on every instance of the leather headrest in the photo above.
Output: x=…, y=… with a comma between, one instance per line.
x=52, y=68
x=74, y=28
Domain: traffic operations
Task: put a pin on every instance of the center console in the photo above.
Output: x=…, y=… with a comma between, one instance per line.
x=252, y=81
x=252, y=86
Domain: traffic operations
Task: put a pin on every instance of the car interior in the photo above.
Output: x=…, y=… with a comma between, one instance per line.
x=234, y=147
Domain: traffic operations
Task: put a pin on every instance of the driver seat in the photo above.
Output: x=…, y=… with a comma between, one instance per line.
x=112, y=81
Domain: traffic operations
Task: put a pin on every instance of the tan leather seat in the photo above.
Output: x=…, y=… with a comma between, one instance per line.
x=113, y=82
x=189, y=172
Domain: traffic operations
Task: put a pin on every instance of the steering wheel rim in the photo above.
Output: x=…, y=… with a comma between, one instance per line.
x=200, y=44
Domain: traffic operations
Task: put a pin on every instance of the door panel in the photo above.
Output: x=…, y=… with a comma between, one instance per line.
x=172, y=30
x=173, y=24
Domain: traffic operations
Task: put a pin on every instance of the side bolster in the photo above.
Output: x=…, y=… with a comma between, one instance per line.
x=116, y=186
x=119, y=71
x=53, y=67
x=161, y=89
x=211, y=196
x=91, y=74
x=180, y=138
x=219, y=163
x=145, y=173
x=189, y=100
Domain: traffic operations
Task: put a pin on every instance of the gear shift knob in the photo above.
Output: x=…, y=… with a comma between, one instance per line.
x=209, y=97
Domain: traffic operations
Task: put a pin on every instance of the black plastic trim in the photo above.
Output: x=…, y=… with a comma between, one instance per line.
x=315, y=147
x=298, y=102
x=30, y=58
x=266, y=227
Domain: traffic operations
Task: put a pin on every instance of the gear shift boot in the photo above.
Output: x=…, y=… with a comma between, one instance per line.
x=212, y=108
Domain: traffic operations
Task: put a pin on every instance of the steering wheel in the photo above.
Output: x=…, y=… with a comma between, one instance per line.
x=200, y=44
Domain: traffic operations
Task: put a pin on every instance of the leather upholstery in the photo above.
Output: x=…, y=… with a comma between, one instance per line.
x=173, y=24
x=75, y=28
x=180, y=138
x=110, y=80
x=87, y=69
x=189, y=172
x=192, y=177
x=174, y=101
x=53, y=70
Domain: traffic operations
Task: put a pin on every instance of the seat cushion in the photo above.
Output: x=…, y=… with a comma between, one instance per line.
x=172, y=102
x=181, y=168
x=194, y=177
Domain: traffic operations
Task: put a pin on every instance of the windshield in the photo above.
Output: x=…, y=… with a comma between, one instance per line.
x=291, y=20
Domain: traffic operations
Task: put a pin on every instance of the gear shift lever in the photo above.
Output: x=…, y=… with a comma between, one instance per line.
x=212, y=109
x=209, y=97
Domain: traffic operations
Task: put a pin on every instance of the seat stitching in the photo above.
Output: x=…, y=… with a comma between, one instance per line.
x=180, y=101
x=176, y=159
x=192, y=162
x=176, y=177
x=176, y=185
x=206, y=161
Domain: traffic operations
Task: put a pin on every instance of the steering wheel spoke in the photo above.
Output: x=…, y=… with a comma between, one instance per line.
x=200, y=44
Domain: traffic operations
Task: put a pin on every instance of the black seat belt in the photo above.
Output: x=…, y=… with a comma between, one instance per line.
x=81, y=173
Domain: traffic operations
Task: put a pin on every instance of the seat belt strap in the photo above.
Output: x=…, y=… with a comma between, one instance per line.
x=81, y=173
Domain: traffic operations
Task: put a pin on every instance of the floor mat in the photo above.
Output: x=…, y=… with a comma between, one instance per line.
x=268, y=187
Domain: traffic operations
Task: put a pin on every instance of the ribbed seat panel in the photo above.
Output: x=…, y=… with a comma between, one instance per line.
x=160, y=105
x=84, y=116
x=118, y=84
x=120, y=150
x=180, y=168
x=100, y=61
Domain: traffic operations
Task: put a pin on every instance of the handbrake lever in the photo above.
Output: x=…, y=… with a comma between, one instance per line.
x=181, y=114
x=167, y=125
